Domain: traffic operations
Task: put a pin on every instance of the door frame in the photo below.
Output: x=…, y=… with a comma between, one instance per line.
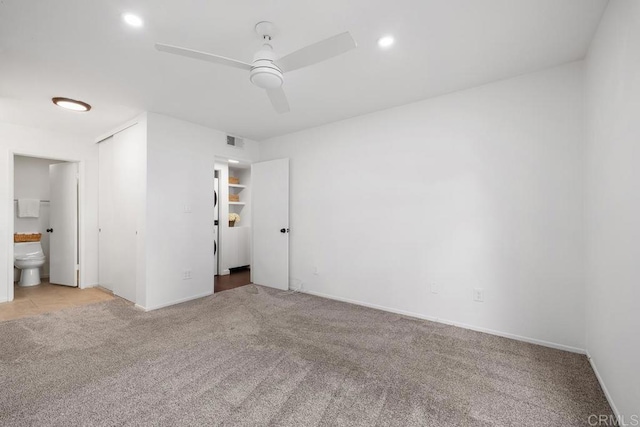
x=10, y=207
x=223, y=198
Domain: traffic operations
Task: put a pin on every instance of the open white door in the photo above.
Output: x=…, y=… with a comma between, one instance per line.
x=63, y=224
x=270, y=217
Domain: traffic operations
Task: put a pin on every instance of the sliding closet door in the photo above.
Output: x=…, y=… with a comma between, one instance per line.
x=121, y=187
x=105, y=213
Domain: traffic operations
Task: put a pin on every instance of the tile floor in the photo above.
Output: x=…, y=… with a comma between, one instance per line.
x=47, y=297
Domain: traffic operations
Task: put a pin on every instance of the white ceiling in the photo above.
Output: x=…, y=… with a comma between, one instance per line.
x=81, y=49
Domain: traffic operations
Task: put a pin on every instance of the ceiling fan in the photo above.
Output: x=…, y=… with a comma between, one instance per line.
x=266, y=71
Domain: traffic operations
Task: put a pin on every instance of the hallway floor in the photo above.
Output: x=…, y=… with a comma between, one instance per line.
x=237, y=278
x=46, y=297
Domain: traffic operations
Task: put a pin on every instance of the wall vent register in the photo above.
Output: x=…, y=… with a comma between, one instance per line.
x=234, y=141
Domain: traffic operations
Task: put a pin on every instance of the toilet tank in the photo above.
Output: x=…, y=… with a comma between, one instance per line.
x=27, y=250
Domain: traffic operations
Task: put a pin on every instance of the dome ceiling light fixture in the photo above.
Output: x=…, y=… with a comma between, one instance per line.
x=71, y=104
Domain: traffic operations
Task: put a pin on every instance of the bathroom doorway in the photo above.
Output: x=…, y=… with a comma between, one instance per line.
x=45, y=222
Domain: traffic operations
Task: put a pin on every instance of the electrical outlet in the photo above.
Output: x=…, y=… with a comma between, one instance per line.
x=316, y=272
x=478, y=295
x=186, y=275
x=435, y=288
x=187, y=208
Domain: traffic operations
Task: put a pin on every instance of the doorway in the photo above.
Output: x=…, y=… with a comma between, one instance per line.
x=252, y=237
x=232, y=224
x=45, y=249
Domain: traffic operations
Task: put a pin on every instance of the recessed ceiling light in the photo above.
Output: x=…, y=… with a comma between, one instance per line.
x=71, y=104
x=233, y=161
x=385, y=42
x=133, y=20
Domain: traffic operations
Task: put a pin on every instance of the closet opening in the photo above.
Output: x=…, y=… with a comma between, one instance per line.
x=232, y=224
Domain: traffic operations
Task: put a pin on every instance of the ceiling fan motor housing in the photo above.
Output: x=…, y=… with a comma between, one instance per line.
x=264, y=73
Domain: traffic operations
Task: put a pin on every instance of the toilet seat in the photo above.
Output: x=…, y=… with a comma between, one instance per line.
x=30, y=258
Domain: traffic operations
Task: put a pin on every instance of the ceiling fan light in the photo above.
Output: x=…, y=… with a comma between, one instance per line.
x=266, y=78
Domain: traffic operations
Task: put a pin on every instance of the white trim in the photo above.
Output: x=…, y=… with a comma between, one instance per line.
x=118, y=129
x=80, y=219
x=604, y=387
x=90, y=285
x=10, y=227
x=179, y=301
x=453, y=323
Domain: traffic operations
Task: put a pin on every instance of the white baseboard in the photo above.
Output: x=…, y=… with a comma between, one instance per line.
x=604, y=387
x=103, y=289
x=178, y=301
x=453, y=323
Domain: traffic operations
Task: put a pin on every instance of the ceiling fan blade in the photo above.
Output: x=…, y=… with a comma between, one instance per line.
x=204, y=56
x=278, y=100
x=317, y=52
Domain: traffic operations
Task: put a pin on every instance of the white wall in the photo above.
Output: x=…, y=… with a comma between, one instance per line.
x=40, y=143
x=31, y=181
x=180, y=168
x=613, y=205
x=481, y=188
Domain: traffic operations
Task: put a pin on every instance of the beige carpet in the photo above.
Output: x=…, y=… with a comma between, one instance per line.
x=256, y=356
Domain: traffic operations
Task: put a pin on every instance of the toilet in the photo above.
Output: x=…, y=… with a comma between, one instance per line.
x=28, y=257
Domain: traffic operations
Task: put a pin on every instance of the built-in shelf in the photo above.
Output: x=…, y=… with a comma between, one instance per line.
x=237, y=203
x=237, y=186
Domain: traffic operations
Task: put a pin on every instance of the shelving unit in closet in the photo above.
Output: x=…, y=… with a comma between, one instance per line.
x=236, y=189
x=238, y=250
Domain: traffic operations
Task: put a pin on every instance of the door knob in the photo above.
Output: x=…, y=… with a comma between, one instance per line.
x=49, y=230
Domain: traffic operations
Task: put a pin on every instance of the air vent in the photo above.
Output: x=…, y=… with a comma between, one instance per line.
x=235, y=141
